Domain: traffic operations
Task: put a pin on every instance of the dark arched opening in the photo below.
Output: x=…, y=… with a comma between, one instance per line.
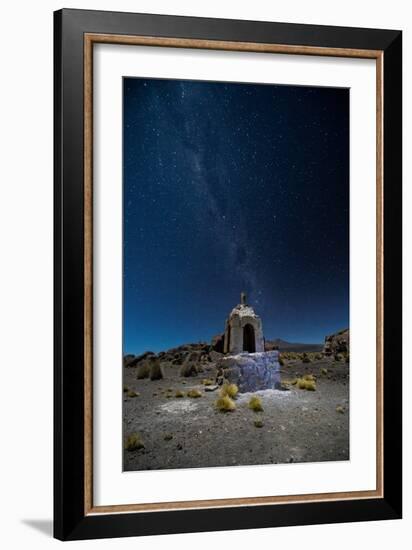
x=249, y=344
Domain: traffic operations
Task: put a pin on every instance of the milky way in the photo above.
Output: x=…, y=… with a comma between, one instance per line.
x=231, y=187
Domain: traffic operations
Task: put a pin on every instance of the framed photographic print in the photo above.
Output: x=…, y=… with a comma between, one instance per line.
x=227, y=274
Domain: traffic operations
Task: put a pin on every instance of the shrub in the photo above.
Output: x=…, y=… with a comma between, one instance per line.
x=229, y=389
x=207, y=382
x=258, y=423
x=340, y=409
x=255, y=403
x=143, y=371
x=134, y=442
x=338, y=357
x=306, y=358
x=156, y=371
x=189, y=367
x=132, y=393
x=324, y=371
x=225, y=404
x=194, y=393
x=309, y=377
x=179, y=393
x=306, y=384
x=168, y=437
x=301, y=384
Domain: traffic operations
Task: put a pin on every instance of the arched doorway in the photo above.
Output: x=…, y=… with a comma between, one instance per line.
x=249, y=339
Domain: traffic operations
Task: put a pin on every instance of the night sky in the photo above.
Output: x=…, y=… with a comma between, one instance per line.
x=231, y=187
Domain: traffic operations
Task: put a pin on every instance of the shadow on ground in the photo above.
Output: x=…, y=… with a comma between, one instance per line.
x=44, y=526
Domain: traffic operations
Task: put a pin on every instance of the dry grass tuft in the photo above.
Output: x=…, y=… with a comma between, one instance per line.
x=229, y=389
x=340, y=409
x=225, y=404
x=132, y=393
x=194, y=393
x=258, y=423
x=290, y=355
x=179, y=393
x=306, y=358
x=207, y=382
x=306, y=384
x=324, y=371
x=134, y=442
x=255, y=403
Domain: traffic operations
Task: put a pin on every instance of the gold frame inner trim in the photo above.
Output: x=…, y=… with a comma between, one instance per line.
x=89, y=40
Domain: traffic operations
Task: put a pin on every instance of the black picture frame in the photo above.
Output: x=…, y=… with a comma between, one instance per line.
x=71, y=522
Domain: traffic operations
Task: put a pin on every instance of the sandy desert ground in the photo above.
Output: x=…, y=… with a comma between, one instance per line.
x=295, y=425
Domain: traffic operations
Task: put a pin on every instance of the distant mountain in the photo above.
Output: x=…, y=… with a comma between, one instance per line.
x=283, y=345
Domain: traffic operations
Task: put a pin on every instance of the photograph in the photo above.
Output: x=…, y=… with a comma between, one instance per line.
x=235, y=274
x=227, y=272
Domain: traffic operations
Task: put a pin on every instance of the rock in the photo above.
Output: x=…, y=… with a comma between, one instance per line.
x=215, y=356
x=217, y=343
x=211, y=388
x=337, y=343
x=251, y=371
x=127, y=359
x=143, y=357
x=271, y=345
